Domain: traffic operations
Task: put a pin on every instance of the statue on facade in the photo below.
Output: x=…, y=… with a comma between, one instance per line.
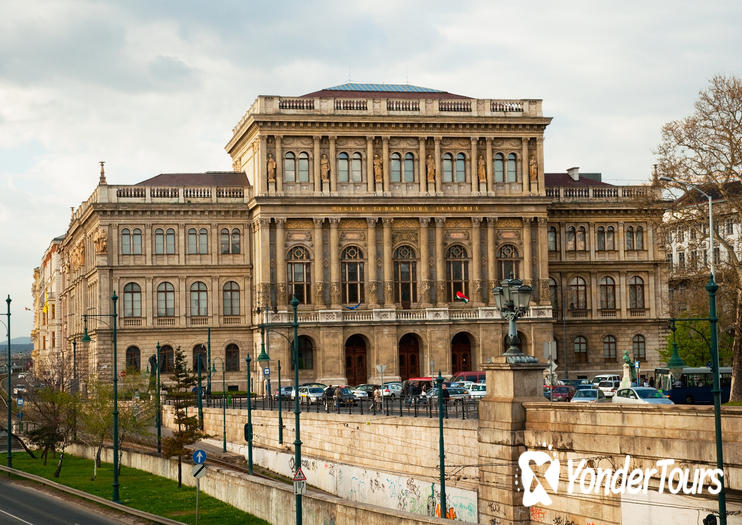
x=100, y=241
x=430, y=168
x=271, y=168
x=378, y=169
x=481, y=170
x=533, y=169
x=629, y=372
x=324, y=168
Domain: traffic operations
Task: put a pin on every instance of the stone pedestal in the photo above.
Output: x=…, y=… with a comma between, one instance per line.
x=501, y=440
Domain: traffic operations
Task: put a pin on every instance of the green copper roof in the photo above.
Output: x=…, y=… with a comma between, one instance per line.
x=392, y=88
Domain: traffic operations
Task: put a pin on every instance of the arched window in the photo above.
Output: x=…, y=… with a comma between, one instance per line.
x=499, y=168
x=356, y=168
x=508, y=262
x=405, y=276
x=299, y=277
x=289, y=167
x=571, y=239
x=581, y=244
x=352, y=276
x=554, y=293
x=306, y=354
x=192, y=241
x=630, y=238
x=235, y=240
x=133, y=359
x=639, y=348
x=396, y=167
x=343, y=167
x=167, y=359
x=159, y=241
x=136, y=241
x=125, y=242
x=409, y=167
x=512, y=168
x=203, y=241
x=552, y=239
x=600, y=239
x=447, y=167
x=636, y=293
x=639, y=238
x=578, y=296
x=231, y=298
x=132, y=300
x=580, y=348
x=609, y=348
x=610, y=238
x=457, y=271
x=607, y=293
x=199, y=354
x=460, y=167
x=170, y=241
x=232, y=358
x=199, y=300
x=224, y=240
x=165, y=300
x=303, y=167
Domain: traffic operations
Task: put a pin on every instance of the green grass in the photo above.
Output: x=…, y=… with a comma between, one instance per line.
x=138, y=489
x=733, y=404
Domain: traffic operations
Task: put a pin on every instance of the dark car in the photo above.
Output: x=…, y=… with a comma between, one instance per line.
x=346, y=397
x=562, y=393
x=285, y=392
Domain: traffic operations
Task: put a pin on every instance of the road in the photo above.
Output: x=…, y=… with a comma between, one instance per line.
x=21, y=504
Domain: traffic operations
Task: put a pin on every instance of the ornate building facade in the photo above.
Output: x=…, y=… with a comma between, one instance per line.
x=374, y=205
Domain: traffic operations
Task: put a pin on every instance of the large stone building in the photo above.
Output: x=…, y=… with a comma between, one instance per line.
x=374, y=205
x=47, y=335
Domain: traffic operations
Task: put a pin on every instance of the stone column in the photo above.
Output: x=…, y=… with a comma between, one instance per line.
x=438, y=174
x=622, y=295
x=421, y=165
x=385, y=163
x=540, y=160
x=524, y=165
x=621, y=240
x=593, y=295
x=263, y=227
x=371, y=184
x=490, y=175
x=334, y=264
x=473, y=166
x=491, y=266
x=315, y=165
x=543, y=263
x=388, y=264
x=424, y=268
x=261, y=182
x=440, y=263
x=333, y=166
x=282, y=291
x=476, y=260
x=527, y=259
x=372, y=281
x=318, y=275
x=279, y=164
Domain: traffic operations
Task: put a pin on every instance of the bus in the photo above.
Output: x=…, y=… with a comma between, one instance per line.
x=694, y=385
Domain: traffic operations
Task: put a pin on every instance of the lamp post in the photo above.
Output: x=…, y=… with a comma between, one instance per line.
x=10, y=375
x=208, y=361
x=158, y=416
x=86, y=339
x=224, y=403
x=512, y=297
x=249, y=418
x=439, y=382
x=297, y=411
x=200, y=401
x=280, y=400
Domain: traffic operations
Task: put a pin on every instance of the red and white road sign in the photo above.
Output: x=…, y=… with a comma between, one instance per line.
x=299, y=475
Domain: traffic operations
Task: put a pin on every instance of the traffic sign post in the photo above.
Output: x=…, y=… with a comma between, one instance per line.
x=199, y=457
x=199, y=471
x=300, y=482
x=266, y=371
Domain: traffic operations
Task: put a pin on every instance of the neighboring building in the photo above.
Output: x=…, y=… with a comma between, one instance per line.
x=47, y=336
x=373, y=204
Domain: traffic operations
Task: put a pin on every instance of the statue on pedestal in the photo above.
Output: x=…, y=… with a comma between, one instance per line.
x=481, y=170
x=271, y=168
x=378, y=169
x=324, y=168
x=430, y=168
x=629, y=372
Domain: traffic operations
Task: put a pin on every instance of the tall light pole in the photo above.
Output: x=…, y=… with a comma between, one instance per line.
x=224, y=402
x=158, y=419
x=200, y=402
x=249, y=418
x=297, y=411
x=10, y=374
x=439, y=382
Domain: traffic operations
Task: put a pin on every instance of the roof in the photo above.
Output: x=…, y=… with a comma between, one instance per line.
x=562, y=180
x=358, y=90
x=209, y=178
x=716, y=191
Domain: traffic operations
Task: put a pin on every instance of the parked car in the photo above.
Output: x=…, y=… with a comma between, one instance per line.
x=474, y=376
x=576, y=382
x=310, y=394
x=589, y=395
x=562, y=393
x=477, y=391
x=454, y=394
x=19, y=390
x=286, y=392
x=320, y=385
x=366, y=387
x=585, y=386
x=641, y=395
x=609, y=387
x=605, y=377
x=391, y=390
x=359, y=394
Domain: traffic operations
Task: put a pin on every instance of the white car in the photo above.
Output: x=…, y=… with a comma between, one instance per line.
x=477, y=390
x=359, y=394
x=609, y=387
x=589, y=395
x=311, y=394
x=605, y=377
x=392, y=390
x=641, y=395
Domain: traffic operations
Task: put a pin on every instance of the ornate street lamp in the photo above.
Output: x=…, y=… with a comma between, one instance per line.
x=10, y=375
x=224, y=401
x=512, y=298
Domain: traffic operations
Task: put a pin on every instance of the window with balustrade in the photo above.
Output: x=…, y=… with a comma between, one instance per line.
x=457, y=271
x=579, y=345
x=636, y=293
x=512, y=167
x=289, y=166
x=639, y=347
x=607, y=296
x=552, y=237
x=499, y=167
x=199, y=299
x=231, y=298
x=299, y=276
x=405, y=276
x=343, y=167
x=352, y=276
x=447, y=167
x=609, y=348
x=165, y=300
x=578, y=297
x=460, y=167
x=508, y=262
x=132, y=300
x=232, y=358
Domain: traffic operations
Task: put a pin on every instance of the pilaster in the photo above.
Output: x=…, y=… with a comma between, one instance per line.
x=282, y=291
x=388, y=265
x=318, y=274
x=473, y=162
x=334, y=264
x=333, y=166
x=422, y=176
x=261, y=181
x=440, y=269
x=315, y=165
x=476, y=259
x=370, y=186
x=527, y=256
x=524, y=165
x=490, y=176
x=491, y=269
x=424, y=268
x=438, y=174
x=385, y=164
x=372, y=283
x=279, y=164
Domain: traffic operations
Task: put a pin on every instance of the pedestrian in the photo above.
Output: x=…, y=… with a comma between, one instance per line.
x=651, y=382
x=338, y=396
x=377, y=399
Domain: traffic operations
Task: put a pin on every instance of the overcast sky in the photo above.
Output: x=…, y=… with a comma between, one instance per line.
x=156, y=86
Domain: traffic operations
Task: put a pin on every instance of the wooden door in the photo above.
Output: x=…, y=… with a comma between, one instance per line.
x=460, y=354
x=409, y=357
x=355, y=360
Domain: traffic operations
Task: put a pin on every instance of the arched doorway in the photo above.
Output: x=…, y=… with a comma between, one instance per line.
x=355, y=360
x=460, y=353
x=409, y=357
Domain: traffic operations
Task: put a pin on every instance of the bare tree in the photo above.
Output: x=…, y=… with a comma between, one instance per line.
x=705, y=149
x=96, y=417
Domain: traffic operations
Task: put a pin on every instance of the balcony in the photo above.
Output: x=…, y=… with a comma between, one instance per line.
x=637, y=312
x=601, y=194
x=606, y=312
x=578, y=312
x=164, y=321
x=127, y=322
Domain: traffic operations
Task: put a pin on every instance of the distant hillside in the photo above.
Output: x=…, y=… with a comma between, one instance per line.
x=18, y=345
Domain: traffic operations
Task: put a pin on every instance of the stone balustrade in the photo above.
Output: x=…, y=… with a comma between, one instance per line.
x=599, y=193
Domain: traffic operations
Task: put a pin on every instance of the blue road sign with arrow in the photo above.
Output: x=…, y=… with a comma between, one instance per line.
x=199, y=457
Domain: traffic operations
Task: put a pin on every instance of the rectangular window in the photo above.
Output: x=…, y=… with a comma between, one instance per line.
x=54, y=310
x=54, y=340
x=170, y=242
x=159, y=242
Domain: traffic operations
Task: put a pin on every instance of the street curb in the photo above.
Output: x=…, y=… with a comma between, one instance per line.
x=91, y=497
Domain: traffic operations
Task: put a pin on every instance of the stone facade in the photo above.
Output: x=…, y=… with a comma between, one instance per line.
x=47, y=335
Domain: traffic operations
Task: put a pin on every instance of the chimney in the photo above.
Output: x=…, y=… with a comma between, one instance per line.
x=574, y=173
